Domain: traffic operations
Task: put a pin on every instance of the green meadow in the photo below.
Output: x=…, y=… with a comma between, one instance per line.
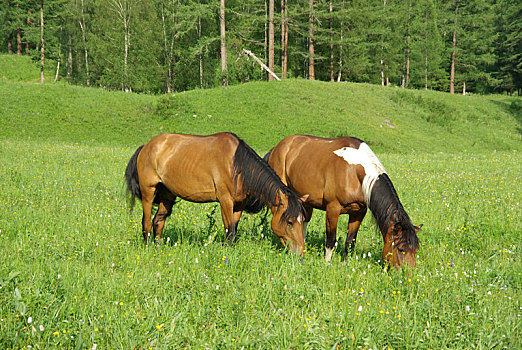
x=74, y=272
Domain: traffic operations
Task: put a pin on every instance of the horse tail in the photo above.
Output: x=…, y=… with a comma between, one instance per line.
x=131, y=177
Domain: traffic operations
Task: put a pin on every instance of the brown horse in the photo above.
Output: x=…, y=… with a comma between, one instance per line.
x=343, y=176
x=216, y=168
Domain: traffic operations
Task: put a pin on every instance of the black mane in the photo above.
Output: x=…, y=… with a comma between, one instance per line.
x=386, y=206
x=261, y=183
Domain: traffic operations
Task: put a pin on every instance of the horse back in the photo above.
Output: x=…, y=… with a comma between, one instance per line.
x=309, y=165
x=190, y=166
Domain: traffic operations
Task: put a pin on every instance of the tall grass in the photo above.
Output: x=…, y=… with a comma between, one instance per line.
x=75, y=273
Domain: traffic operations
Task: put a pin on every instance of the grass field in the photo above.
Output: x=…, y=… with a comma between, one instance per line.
x=74, y=272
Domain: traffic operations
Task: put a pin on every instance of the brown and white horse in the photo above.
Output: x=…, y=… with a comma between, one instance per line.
x=343, y=176
x=216, y=168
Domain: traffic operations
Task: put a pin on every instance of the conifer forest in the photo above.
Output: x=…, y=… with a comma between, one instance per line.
x=158, y=46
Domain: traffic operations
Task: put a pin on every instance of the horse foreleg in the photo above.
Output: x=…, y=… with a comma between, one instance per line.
x=309, y=211
x=233, y=227
x=332, y=216
x=230, y=218
x=353, y=227
x=164, y=211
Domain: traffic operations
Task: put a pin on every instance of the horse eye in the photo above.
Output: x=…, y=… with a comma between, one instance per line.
x=289, y=223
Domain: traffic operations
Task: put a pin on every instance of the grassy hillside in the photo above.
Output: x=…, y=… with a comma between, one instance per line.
x=74, y=272
x=389, y=119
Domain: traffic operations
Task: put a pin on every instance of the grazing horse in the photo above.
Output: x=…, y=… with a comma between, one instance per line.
x=343, y=176
x=216, y=168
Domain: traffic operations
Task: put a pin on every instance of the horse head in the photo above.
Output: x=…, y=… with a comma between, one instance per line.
x=400, y=244
x=288, y=222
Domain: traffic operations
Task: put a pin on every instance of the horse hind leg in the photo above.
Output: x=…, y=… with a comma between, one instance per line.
x=165, y=202
x=147, y=199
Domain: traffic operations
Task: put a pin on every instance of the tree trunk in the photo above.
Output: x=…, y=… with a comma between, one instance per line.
x=453, y=52
x=464, y=89
x=408, y=49
x=224, y=70
x=84, y=40
x=271, y=38
x=124, y=8
x=200, y=56
x=69, y=58
x=18, y=36
x=57, y=70
x=426, y=52
x=166, y=52
x=382, y=72
x=331, y=44
x=42, y=43
x=265, y=47
x=341, y=48
x=311, y=64
x=264, y=66
x=19, y=41
x=27, y=48
x=284, y=38
x=382, y=54
x=126, y=86
x=9, y=45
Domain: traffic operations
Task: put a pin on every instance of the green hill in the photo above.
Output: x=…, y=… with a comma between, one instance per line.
x=389, y=119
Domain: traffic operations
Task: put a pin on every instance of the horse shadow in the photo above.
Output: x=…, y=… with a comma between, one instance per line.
x=315, y=242
x=256, y=227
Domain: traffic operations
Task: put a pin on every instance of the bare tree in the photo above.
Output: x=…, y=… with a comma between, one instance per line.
x=42, y=43
x=224, y=70
x=81, y=21
x=331, y=43
x=168, y=46
x=68, y=68
x=29, y=25
x=18, y=37
x=426, y=51
x=453, y=52
x=271, y=38
x=200, y=56
x=408, y=48
x=383, y=65
x=124, y=10
x=284, y=38
x=311, y=64
x=341, y=49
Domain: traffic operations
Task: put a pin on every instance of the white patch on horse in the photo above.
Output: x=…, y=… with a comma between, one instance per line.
x=372, y=166
x=328, y=254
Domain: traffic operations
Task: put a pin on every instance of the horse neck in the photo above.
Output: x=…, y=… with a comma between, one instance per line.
x=387, y=210
x=385, y=205
x=258, y=179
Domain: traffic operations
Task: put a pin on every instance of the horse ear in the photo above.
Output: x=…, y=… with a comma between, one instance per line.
x=304, y=198
x=417, y=228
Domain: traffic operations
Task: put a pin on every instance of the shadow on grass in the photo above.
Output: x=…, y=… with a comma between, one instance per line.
x=514, y=108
